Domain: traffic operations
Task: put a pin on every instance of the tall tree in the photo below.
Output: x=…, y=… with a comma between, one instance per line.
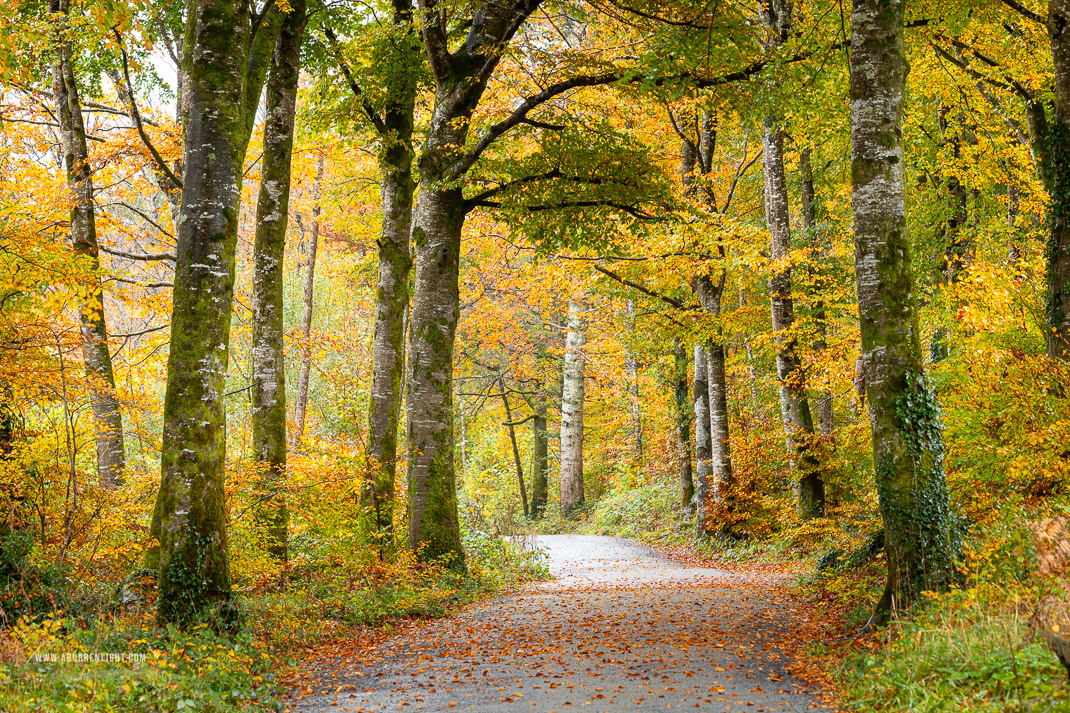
x=1056, y=171
x=572, y=396
x=268, y=393
x=226, y=59
x=920, y=537
x=74, y=153
x=697, y=154
x=394, y=126
x=794, y=404
x=460, y=78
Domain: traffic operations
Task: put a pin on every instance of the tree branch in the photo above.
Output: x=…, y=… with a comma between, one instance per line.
x=436, y=42
x=136, y=116
x=1026, y=12
x=358, y=93
x=645, y=290
x=150, y=257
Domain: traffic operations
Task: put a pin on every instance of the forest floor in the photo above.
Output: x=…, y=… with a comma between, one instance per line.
x=620, y=627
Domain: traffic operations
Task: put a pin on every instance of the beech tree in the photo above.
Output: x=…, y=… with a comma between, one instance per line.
x=74, y=155
x=226, y=62
x=572, y=396
x=400, y=65
x=794, y=403
x=920, y=535
x=268, y=394
x=1055, y=169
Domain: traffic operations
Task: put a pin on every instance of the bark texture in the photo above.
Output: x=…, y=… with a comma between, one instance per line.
x=268, y=393
x=395, y=268
x=107, y=417
x=226, y=65
x=460, y=78
x=920, y=537
x=703, y=440
x=572, y=395
x=1057, y=178
x=305, y=368
x=717, y=394
x=434, y=529
x=682, y=415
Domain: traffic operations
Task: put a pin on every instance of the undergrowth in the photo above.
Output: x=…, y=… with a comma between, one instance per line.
x=49, y=659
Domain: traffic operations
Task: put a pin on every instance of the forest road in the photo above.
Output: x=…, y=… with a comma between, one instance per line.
x=620, y=628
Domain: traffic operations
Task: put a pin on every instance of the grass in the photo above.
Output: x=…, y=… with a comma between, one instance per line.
x=967, y=650
x=200, y=672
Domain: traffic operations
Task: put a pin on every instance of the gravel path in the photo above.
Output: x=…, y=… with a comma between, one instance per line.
x=620, y=628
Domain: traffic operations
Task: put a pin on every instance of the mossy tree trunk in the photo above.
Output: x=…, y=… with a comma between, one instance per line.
x=434, y=528
x=461, y=76
x=395, y=268
x=682, y=417
x=226, y=60
x=920, y=536
x=268, y=392
x=1056, y=175
x=573, y=389
x=107, y=417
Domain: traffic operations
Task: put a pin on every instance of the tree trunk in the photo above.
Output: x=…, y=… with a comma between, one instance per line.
x=920, y=538
x=516, y=451
x=540, y=460
x=226, y=66
x=107, y=417
x=268, y=391
x=703, y=439
x=955, y=251
x=461, y=77
x=572, y=395
x=682, y=404
x=631, y=373
x=721, y=446
x=305, y=369
x=1057, y=178
x=392, y=292
x=464, y=430
x=794, y=404
x=809, y=215
x=434, y=528
x=709, y=296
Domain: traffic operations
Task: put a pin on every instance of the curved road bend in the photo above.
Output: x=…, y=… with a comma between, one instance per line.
x=621, y=628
